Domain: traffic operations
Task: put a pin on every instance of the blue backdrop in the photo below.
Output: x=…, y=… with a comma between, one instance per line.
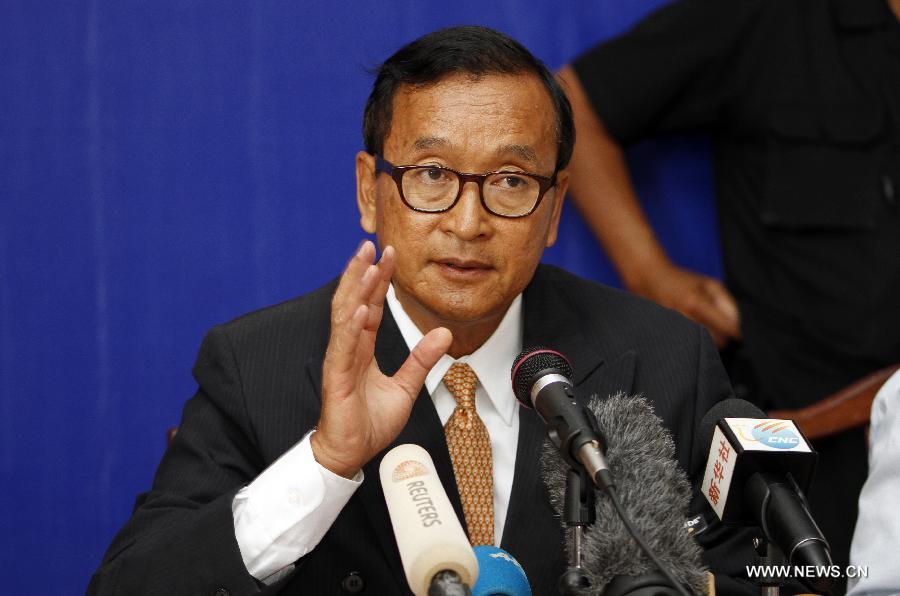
x=168, y=165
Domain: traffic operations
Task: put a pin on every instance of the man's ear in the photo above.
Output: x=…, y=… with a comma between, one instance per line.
x=559, y=192
x=365, y=190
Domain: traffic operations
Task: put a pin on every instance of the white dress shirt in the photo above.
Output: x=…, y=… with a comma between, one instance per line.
x=877, y=534
x=284, y=513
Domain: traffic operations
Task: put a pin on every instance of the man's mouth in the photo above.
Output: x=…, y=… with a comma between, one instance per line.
x=463, y=267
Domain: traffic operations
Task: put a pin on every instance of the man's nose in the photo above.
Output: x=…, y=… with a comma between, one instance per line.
x=468, y=219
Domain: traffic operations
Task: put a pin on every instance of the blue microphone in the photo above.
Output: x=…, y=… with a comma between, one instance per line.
x=499, y=574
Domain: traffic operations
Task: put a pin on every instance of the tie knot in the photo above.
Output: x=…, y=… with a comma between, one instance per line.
x=461, y=381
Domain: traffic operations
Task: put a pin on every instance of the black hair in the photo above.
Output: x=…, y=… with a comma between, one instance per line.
x=472, y=50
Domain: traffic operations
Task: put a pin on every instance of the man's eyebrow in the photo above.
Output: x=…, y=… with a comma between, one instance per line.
x=525, y=152
x=424, y=143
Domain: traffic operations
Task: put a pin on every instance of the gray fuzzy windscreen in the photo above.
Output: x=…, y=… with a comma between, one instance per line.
x=652, y=488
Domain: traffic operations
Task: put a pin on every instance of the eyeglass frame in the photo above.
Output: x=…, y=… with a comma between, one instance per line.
x=545, y=183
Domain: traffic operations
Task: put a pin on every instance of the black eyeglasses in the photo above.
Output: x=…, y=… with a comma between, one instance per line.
x=435, y=189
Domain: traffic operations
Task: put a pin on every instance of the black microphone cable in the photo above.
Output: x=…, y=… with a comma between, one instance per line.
x=633, y=531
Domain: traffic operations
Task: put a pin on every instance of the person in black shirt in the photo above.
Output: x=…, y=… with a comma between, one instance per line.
x=803, y=102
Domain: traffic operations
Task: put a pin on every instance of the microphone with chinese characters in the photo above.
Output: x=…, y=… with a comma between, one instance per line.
x=756, y=474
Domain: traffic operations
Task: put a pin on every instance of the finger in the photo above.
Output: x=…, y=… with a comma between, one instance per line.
x=383, y=271
x=354, y=291
x=376, y=298
x=718, y=339
x=353, y=272
x=386, y=264
x=343, y=308
x=705, y=312
x=365, y=287
x=423, y=357
x=341, y=365
x=725, y=307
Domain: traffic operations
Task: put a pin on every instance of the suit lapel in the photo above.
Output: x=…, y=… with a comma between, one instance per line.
x=532, y=527
x=600, y=365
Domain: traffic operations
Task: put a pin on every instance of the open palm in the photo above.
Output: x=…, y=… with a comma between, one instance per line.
x=363, y=410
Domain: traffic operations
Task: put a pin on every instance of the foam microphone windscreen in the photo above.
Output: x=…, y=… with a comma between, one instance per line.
x=499, y=574
x=652, y=488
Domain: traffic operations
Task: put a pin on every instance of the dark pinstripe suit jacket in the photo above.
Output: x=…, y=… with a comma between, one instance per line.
x=259, y=378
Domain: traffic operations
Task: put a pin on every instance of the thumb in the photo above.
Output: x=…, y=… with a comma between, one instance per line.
x=423, y=357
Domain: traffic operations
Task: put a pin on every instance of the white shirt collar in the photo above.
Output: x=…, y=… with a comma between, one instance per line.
x=491, y=362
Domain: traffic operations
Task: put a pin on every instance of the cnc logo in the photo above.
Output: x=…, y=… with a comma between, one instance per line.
x=408, y=469
x=776, y=433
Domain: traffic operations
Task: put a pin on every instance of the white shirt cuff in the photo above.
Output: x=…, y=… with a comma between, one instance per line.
x=283, y=514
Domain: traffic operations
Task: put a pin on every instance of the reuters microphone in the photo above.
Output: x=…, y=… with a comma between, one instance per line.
x=429, y=536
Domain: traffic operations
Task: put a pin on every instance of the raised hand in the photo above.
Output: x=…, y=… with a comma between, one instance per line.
x=362, y=409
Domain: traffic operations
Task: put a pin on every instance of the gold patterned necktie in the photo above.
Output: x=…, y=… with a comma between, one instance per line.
x=470, y=452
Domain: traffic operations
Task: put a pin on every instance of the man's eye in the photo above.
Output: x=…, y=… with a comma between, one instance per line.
x=432, y=176
x=512, y=182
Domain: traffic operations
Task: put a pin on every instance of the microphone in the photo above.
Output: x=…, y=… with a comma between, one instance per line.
x=499, y=574
x=541, y=380
x=437, y=557
x=756, y=474
x=653, y=489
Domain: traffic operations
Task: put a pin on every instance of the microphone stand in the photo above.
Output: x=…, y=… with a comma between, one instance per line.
x=767, y=556
x=579, y=512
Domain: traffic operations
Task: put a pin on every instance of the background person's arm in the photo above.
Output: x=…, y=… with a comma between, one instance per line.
x=682, y=68
x=603, y=193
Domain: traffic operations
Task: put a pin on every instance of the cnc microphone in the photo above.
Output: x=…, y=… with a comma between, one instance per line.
x=756, y=473
x=653, y=490
x=499, y=574
x=437, y=557
x=541, y=380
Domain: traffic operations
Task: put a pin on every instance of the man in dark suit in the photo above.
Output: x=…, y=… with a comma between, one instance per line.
x=249, y=498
